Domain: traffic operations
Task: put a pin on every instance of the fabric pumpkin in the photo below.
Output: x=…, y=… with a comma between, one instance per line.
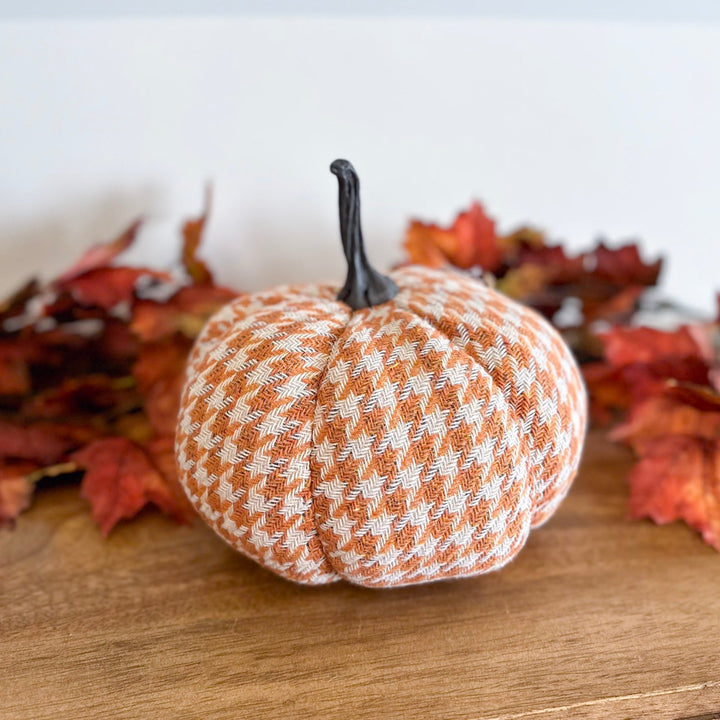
x=405, y=429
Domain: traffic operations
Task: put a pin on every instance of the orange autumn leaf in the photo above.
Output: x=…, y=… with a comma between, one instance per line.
x=100, y=256
x=91, y=394
x=120, y=480
x=678, y=478
x=626, y=345
x=477, y=241
x=106, y=287
x=159, y=372
x=638, y=363
x=428, y=244
x=192, y=232
x=667, y=414
x=90, y=374
x=161, y=450
x=186, y=312
x=43, y=443
x=623, y=265
x=661, y=378
x=470, y=242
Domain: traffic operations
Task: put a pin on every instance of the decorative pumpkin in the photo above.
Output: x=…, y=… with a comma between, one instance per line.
x=403, y=429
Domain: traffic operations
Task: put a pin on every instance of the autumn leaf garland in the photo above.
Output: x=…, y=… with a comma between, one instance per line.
x=91, y=368
x=92, y=363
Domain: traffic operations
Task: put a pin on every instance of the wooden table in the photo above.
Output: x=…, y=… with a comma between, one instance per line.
x=597, y=618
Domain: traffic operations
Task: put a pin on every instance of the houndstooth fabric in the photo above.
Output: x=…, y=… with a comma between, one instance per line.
x=412, y=441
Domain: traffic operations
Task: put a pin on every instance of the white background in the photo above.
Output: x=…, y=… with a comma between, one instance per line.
x=582, y=126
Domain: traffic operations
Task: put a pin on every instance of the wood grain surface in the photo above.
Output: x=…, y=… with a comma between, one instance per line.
x=597, y=618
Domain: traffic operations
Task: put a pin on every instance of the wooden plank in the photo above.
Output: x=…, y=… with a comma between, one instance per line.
x=597, y=618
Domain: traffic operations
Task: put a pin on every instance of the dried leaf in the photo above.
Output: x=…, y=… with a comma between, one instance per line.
x=104, y=287
x=91, y=368
x=665, y=415
x=186, y=312
x=622, y=266
x=624, y=346
x=162, y=452
x=43, y=443
x=638, y=363
x=192, y=233
x=120, y=481
x=88, y=395
x=159, y=372
x=100, y=256
x=678, y=478
x=470, y=242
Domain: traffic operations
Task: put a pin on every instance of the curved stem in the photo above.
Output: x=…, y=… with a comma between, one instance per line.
x=364, y=286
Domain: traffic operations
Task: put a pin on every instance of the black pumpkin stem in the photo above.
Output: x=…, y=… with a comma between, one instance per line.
x=364, y=286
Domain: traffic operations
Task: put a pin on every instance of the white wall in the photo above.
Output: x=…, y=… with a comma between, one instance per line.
x=653, y=10
x=582, y=127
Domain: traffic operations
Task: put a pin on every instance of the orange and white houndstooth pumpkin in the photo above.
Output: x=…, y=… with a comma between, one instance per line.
x=406, y=429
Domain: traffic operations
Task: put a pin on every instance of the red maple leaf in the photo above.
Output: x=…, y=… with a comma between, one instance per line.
x=100, y=256
x=159, y=372
x=120, y=480
x=186, y=312
x=43, y=443
x=672, y=412
x=673, y=426
x=470, y=242
x=192, y=232
x=626, y=345
x=622, y=266
x=107, y=287
x=91, y=371
x=678, y=478
x=638, y=363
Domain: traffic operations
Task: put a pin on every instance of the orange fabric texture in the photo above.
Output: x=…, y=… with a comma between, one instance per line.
x=415, y=440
